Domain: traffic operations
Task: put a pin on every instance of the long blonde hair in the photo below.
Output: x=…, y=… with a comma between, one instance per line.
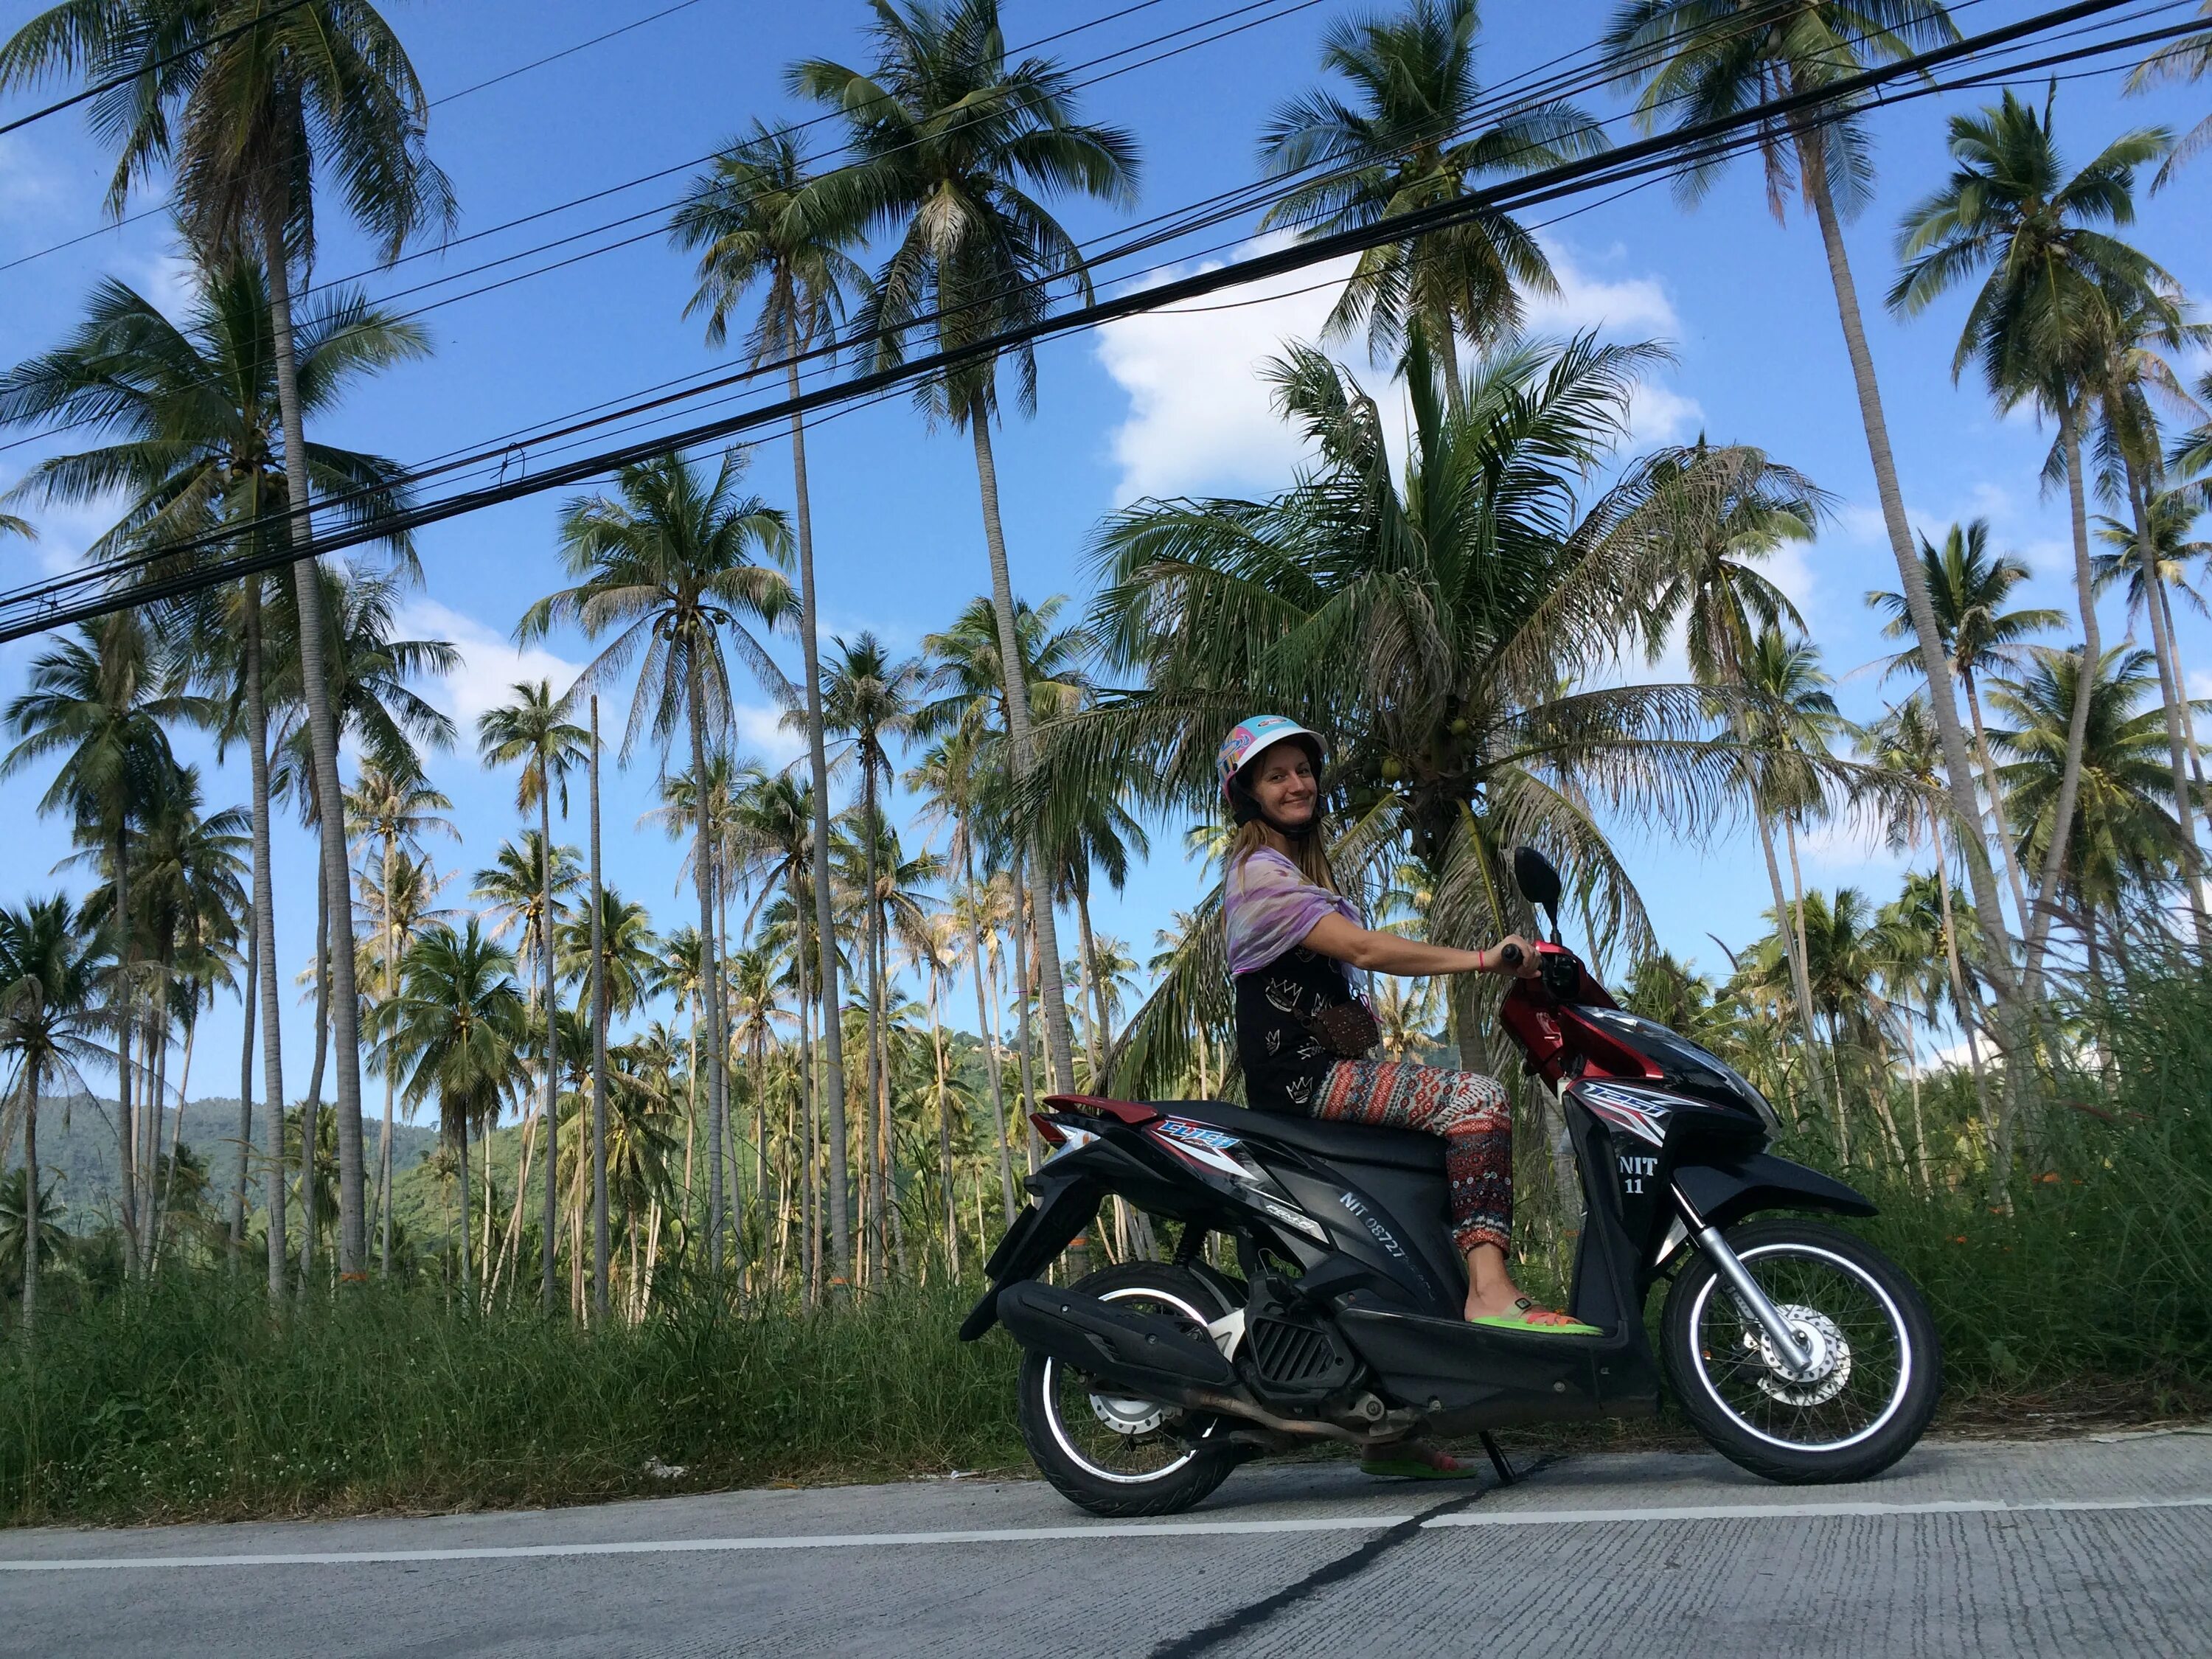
x=1308, y=852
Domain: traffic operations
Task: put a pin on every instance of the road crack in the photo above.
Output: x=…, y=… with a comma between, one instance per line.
x=1240, y=1621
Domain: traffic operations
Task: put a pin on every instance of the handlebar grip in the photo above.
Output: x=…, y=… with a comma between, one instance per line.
x=1510, y=955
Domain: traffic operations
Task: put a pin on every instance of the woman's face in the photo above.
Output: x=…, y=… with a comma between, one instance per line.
x=1282, y=780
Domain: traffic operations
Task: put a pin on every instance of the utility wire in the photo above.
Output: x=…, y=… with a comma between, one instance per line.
x=44, y=605
x=1523, y=90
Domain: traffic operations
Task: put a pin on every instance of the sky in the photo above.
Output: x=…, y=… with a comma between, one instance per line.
x=1158, y=405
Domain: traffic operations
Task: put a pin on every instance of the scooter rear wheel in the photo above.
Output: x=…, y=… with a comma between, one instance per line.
x=1118, y=1457
x=1877, y=1371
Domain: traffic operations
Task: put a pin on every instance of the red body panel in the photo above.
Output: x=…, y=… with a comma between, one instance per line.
x=1558, y=1042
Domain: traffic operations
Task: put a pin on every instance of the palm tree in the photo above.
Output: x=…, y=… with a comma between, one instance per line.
x=1791, y=716
x=744, y=218
x=2125, y=839
x=1691, y=61
x=867, y=698
x=1419, y=132
x=956, y=151
x=2188, y=58
x=1968, y=589
x=50, y=1020
x=532, y=730
x=248, y=102
x=193, y=407
x=1429, y=625
x=668, y=563
x=2010, y=208
x=456, y=1030
x=394, y=812
x=98, y=702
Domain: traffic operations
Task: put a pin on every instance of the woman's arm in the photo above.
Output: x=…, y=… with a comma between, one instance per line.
x=1387, y=953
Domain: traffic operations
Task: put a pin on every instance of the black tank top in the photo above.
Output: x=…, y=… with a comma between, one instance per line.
x=1284, y=1062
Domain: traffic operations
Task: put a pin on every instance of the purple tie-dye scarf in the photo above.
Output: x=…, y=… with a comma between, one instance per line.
x=1270, y=908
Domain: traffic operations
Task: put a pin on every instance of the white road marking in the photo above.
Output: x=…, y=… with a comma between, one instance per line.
x=1497, y=1517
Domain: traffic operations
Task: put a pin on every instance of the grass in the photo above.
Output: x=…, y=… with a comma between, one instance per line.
x=2091, y=1300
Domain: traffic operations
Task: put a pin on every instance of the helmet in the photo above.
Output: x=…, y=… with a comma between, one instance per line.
x=1261, y=731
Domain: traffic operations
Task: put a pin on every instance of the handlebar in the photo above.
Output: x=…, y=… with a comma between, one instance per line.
x=1509, y=956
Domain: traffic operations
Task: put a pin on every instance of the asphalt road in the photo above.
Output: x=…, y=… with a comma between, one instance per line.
x=2072, y=1548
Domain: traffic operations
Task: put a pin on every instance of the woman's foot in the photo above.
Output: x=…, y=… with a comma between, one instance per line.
x=1523, y=1315
x=1415, y=1460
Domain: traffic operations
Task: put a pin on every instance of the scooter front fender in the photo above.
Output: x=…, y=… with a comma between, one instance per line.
x=1067, y=1202
x=1721, y=1195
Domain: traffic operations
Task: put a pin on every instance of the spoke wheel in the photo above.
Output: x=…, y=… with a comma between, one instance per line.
x=1875, y=1370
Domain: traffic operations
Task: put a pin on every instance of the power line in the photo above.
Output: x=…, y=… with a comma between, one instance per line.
x=43, y=605
x=1525, y=89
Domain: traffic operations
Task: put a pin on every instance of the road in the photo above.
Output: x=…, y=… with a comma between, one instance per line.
x=2064, y=1548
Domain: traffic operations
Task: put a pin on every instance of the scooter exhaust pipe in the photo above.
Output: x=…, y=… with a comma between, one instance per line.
x=1155, y=1358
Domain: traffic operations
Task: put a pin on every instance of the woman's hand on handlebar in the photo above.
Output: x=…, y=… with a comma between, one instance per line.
x=1516, y=956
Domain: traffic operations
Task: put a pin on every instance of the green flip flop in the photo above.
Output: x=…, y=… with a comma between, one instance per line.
x=1518, y=1319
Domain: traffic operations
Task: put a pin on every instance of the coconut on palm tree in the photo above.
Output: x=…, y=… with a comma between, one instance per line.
x=957, y=151
x=245, y=103
x=1419, y=131
x=667, y=565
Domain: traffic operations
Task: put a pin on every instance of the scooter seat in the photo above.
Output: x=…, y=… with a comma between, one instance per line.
x=1341, y=1143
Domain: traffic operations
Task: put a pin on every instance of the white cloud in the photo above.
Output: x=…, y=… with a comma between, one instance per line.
x=760, y=732
x=1199, y=419
x=490, y=665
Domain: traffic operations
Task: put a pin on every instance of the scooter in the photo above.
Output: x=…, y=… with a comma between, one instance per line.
x=1793, y=1346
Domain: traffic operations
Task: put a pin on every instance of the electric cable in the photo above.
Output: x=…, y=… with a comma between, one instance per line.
x=37, y=608
x=154, y=68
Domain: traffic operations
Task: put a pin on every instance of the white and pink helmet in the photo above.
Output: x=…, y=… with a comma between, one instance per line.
x=1252, y=736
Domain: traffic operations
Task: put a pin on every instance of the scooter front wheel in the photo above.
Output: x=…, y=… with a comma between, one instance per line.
x=1118, y=1457
x=1876, y=1368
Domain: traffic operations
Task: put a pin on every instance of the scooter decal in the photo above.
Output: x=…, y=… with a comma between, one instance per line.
x=1207, y=1148
x=1639, y=1113
x=1382, y=1234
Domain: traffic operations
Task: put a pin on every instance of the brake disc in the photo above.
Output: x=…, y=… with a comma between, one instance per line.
x=1830, y=1368
x=1128, y=1416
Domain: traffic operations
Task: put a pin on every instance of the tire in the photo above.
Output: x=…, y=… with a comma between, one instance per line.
x=1098, y=1461
x=1870, y=1324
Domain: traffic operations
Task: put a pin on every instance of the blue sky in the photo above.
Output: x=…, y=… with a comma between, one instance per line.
x=1156, y=404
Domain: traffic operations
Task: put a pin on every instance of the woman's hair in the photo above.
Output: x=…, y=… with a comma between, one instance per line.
x=1308, y=852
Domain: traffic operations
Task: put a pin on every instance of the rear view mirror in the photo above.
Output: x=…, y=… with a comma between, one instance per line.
x=1539, y=883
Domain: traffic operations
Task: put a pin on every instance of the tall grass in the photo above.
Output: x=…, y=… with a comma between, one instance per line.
x=192, y=1399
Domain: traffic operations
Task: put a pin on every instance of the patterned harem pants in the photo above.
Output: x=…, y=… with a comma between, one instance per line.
x=1468, y=1110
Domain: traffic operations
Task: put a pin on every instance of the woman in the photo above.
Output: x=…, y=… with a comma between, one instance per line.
x=1293, y=942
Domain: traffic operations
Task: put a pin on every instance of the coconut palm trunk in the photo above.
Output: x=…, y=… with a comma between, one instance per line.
x=1961, y=998
x=125, y=1094
x=1059, y=1038
x=833, y=1040
x=599, y=1058
x=1799, y=981
x=236, y=1236
x=264, y=926
x=2077, y=725
x=549, y=1085
x=873, y=1174
x=1958, y=764
x=384, y=1140
x=990, y=1030
x=322, y=740
x=31, y=1080
x=710, y=969
x=1995, y=794
x=311, y=1109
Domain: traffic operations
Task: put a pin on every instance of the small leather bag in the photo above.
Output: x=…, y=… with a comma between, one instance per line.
x=1346, y=1029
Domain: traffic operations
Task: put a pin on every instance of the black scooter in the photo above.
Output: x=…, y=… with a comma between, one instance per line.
x=1795, y=1348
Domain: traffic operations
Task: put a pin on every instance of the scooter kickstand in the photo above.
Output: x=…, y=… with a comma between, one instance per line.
x=1505, y=1475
